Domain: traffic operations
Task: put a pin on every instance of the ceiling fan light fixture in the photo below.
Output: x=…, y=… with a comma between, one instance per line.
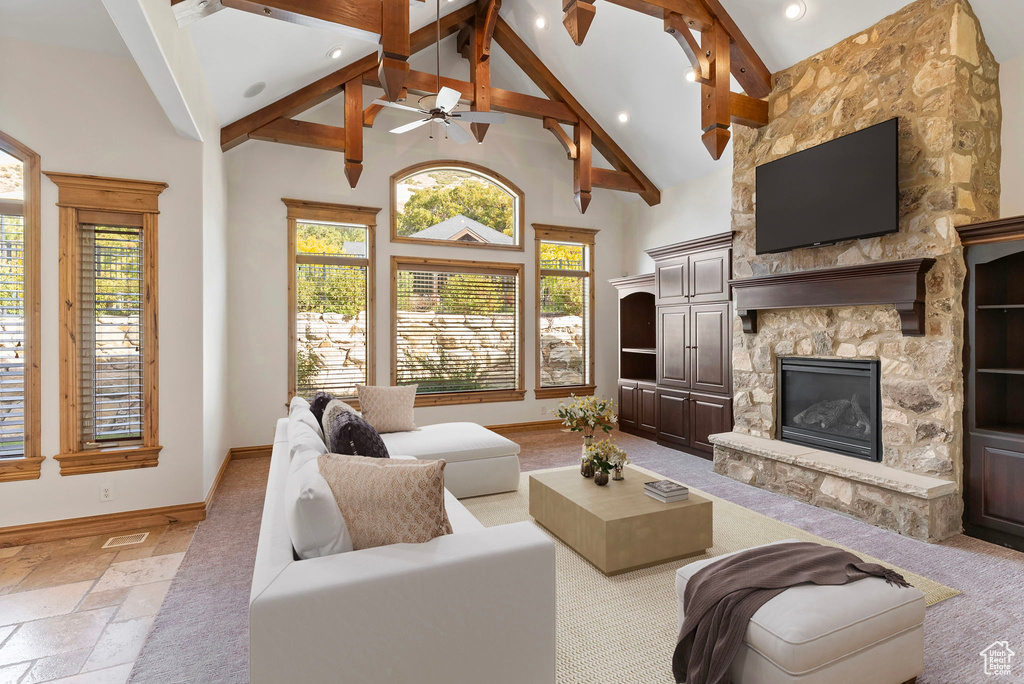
x=623, y=117
x=795, y=10
x=541, y=22
x=335, y=52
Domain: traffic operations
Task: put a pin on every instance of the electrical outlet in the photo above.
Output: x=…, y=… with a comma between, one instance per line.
x=106, y=492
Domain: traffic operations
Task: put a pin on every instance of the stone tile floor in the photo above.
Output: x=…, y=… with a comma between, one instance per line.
x=75, y=613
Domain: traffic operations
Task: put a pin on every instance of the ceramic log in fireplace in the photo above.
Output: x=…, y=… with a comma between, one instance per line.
x=831, y=404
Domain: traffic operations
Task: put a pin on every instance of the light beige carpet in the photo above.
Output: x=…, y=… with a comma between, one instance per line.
x=622, y=629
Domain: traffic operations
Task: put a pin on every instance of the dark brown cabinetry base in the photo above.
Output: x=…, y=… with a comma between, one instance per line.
x=675, y=343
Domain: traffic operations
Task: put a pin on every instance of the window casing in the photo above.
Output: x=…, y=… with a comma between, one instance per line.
x=456, y=203
x=457, y=330
x=109, y=345
x=331, y=297
x=20, y=457
x=564, y=311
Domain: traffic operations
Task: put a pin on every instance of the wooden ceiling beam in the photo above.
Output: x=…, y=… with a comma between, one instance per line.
x=363, y=15
x=531, y=65
x=577, y=16
x=748, y=68
x=302, y=134
x=614, y=180
x=562, y=137
x=714, y=95
x=582, y=168
x=747, y=111
x=677, y=27
x=452, y=22
x=480, y=63
x=354, y=130
x=486, y=18
x=395, y=42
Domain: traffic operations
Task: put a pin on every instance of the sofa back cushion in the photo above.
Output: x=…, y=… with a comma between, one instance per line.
x=299, y=411
x=388, y=409
x=353, y=436
x=303, y=439
x=315, y=523
x=388, y=501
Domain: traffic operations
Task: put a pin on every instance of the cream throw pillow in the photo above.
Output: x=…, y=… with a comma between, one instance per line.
x=386, y=501
x=337, y=406
x=388, y=409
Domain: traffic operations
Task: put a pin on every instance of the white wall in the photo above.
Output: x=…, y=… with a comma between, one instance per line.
x=693, y=209
x=260, y=174
x=93, y=113
x=1011, y=94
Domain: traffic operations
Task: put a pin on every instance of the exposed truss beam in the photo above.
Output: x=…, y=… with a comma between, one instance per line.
x=302, y=134
x=582, y=168
x=353, y=130
x=395, y=44
x=562, y=137
x=480, y=63
x=531, y=65
x=714, y=94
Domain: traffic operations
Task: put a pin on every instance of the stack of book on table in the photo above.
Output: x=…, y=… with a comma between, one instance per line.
x=666, y=491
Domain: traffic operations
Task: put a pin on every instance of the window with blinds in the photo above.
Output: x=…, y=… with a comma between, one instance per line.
x=112, y=334
x=12, y=331
x=564, y=292
x=457, y=326
x=331, y=302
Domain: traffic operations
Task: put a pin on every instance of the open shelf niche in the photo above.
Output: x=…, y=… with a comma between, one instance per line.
x=998, y=352
x=638, y=354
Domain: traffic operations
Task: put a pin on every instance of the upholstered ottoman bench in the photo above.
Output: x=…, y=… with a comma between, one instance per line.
x=865, y=631
x=479, y=461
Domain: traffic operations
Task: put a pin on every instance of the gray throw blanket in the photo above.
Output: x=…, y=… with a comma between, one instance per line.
x=721, y=598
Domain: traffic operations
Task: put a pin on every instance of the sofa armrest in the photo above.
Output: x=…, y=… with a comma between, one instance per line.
x=464, y=608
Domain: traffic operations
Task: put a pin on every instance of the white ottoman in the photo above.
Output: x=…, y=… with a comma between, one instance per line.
x=865, y=631
x=479, y=461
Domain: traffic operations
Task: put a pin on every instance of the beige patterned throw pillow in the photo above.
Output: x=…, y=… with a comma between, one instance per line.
x=386, y=501
x=388, y=409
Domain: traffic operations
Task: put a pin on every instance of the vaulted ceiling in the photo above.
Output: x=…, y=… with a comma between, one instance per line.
x=626, y=64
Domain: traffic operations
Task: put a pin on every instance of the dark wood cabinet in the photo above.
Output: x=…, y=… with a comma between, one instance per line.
x=674, y=346
x=994, y=381
x=673, y=417
x=675, y=335
x=709, y=414
x=647, y=403
x=710, y=348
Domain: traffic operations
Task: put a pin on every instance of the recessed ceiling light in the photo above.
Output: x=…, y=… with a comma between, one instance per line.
x=335, y=52
x=541, y=22
x=254, y=90
x=623, y=117
x=691, y=75
x=795, y=10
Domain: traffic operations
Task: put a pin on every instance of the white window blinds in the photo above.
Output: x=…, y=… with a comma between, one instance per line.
x=565, y=335
x=457, y=328
x=331, y=297
x=12, y=333
x=112, y=334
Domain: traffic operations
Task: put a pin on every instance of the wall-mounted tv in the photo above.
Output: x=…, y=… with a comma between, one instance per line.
x=844, y=189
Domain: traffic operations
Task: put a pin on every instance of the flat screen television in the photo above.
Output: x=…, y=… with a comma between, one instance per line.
x=844, y=189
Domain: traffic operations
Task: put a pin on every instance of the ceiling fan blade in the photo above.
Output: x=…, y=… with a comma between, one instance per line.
x=447, y=99
x=457, y=133
x=396, y=105
x=480, y=117
x=410, y=126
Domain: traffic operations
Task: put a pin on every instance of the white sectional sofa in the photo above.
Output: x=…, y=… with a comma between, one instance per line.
x=474, y=606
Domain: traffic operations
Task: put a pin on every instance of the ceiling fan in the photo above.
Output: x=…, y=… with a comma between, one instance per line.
x=444, y=105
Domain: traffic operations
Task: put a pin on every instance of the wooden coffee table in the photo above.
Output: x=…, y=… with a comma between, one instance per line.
x=617, y=527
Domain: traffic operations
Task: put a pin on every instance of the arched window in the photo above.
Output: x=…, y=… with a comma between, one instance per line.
x=456, y=203
x=20, y=456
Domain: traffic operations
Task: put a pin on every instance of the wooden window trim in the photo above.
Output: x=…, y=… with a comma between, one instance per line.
x=441, y=164
x=309, y=211
x=460, y=266
x=587, y=237
x=130, y=202
x=29, y=465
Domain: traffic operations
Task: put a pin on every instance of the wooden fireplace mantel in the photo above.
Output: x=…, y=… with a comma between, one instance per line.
x=900, y=283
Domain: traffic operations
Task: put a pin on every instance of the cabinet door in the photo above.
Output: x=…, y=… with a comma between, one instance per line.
x=672, y=280
x=627, y=405
x=709, y=276
x=708, y=415
x=709, y=348
x=995, y=483
x=674, y=417
x=674, y=346
x=647, y=403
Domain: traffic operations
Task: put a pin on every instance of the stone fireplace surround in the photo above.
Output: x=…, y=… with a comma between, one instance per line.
x=929, y=65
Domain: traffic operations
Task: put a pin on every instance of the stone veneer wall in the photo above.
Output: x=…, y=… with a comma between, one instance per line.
x=929, y=65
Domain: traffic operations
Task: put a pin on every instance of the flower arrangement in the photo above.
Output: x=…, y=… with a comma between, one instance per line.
x=587, y=415
x=606, y=456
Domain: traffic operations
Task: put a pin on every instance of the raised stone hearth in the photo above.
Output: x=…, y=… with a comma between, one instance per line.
x=928, y=64
x=918, y=506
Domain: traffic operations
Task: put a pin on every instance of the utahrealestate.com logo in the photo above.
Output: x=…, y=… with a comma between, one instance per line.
x=998, y=658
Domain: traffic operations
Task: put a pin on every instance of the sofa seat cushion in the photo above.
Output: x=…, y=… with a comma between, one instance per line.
x=454, y=442
x=809, y=626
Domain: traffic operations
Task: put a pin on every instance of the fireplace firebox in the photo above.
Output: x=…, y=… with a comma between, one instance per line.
x=831, y=404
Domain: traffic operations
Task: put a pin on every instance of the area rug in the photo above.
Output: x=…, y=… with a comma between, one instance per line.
x=622, y=629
